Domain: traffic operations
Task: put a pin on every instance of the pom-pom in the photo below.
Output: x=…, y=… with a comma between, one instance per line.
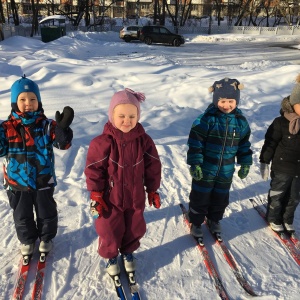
x=211, y=89
x=140, y=96
x=241, y=86
x=297, y=80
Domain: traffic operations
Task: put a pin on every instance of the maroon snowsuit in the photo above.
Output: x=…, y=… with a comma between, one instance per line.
x=122, y=165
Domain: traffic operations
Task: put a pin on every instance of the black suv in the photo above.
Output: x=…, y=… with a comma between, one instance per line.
x=159, y=34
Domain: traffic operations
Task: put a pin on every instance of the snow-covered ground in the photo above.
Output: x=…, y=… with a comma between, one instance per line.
x=83, y=70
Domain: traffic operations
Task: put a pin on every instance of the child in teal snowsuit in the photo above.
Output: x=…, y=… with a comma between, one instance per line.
x=218, y=139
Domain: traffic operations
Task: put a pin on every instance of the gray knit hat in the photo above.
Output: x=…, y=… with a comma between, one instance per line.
x=226, y=88
x=295, y=95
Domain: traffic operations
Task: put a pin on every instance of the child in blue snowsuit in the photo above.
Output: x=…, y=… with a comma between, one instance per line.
x=27, y=139
x=218, y=139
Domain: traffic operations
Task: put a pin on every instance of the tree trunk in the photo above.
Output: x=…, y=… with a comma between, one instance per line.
x=15, y=13
x=35, y=24
x=244, y=9
x=2, y=18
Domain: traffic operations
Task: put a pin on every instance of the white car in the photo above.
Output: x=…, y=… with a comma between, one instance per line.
x=128, y=33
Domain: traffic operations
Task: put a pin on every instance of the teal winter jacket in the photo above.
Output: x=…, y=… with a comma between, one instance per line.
x=217, y=141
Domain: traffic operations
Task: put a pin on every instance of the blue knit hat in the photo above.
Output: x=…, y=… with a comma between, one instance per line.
x=226, y=88
x=24, y=85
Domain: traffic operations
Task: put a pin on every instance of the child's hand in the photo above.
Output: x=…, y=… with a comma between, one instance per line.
x=243, y=171
x=196, y=172
x=65, y=118
x=98, y=206
x=153, y=198
x=264, y=171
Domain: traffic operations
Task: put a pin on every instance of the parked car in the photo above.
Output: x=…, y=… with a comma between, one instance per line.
x=128, y=33
x=159, y=34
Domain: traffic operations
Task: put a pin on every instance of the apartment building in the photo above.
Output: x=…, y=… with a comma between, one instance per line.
x=109, y=8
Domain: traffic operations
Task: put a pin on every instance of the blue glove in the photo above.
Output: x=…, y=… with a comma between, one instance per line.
x=196, y=172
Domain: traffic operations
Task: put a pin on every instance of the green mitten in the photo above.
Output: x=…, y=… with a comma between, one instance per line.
x=243, y=171
x=196, y=172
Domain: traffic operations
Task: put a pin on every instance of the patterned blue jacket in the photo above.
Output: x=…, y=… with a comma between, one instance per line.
x=217, y=141
x=27, y=141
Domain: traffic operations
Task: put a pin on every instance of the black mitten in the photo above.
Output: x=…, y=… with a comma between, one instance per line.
x=65, y=118
x=63, y=137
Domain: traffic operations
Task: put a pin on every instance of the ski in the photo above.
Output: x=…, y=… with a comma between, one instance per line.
x=282, y=236
x=133, y=286
x=118, y=287
x=232, y=263
x=207, y=261
x=22, y=278
x=295, y=239
x=39, y=278
x=292, y=235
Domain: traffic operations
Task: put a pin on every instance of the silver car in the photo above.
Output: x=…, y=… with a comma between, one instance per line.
x=129, y=33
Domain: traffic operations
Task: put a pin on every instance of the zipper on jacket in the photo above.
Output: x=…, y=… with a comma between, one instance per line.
x=223, y=147
x=233, y=135
x=23, y=135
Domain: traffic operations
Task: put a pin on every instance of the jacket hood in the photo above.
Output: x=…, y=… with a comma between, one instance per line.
x=27, y=118
x=215, y=111
x=137, y=131
x=286, y=106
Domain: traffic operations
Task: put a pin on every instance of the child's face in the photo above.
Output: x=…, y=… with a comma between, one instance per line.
x=226, y=105
x=297, y=109
x=125, y=117
x=27, y=102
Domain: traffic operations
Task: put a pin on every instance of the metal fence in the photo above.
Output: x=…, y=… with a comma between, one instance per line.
x=10, y=30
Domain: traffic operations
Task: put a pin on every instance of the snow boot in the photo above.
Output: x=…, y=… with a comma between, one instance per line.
x=196, y=231
x=27, y=249
x=214, y=227
x=289, y=227
x=112, y=266
x=129, y=262
x=276, y=227
x=45, y=247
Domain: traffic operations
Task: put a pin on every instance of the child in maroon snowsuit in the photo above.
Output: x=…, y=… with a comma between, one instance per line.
x=121, y=163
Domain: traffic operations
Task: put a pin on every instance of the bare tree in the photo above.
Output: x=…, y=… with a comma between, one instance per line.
x=1, y=35
x=158, y=13
x=244, y=7
x=87, y=17
x=288, y=9
x=80, y=13
x=182, y=10
x=2, y=18
x=14, y=11
x=35, y=23
x=218, y=8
